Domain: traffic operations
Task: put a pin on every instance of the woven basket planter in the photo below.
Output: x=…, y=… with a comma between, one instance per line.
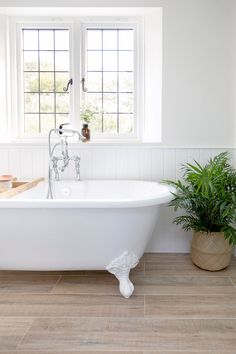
x=211, y=251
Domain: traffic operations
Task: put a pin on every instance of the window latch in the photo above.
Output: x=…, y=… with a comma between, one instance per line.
x=84, y=89
x=70, y=82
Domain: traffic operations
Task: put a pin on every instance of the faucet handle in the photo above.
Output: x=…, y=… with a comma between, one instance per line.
x=68, y=132
x=61, y=127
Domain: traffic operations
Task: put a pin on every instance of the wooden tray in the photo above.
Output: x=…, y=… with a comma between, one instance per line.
x=19, y=187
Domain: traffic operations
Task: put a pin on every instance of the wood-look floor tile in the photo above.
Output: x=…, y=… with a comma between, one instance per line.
x=233, y=280
x=27, y=283
x=91, y=334
x=139, y=269
x=190, y=352
x=71, y=305
x=170, y=268
x=26, y=351
x=174, y=258
x=182, y=285
x=105, y=285
x=181, y=265
x=108, y=285
x=187, y=310
x=190, y=306
x=166, y=257
x=12, y=331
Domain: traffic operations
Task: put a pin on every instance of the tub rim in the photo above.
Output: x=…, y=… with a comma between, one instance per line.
x=38, y=203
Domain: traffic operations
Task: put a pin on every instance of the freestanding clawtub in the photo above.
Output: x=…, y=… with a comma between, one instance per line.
x=89, y=225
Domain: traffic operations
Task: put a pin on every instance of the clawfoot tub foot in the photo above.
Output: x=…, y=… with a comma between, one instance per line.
x=126, y=286
x=121, y=267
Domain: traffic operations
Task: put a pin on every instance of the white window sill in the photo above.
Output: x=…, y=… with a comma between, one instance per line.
x=92, y=143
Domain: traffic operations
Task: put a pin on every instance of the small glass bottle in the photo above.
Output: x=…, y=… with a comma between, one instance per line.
x=86, y=132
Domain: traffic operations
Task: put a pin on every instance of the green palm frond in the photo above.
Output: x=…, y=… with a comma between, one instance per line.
x=207, y=194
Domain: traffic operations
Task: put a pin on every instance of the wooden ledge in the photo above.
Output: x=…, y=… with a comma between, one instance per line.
x=19, y=187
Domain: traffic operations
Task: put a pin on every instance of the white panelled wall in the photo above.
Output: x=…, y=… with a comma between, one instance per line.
x=142, y=162
x=198, y=100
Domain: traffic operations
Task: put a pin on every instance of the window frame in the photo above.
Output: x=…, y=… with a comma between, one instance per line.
x=76, y=26
x=135, y=135
x=18, y=88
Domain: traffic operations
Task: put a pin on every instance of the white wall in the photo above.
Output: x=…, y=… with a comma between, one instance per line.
x=198, y=100
x=117, y=162
x=199, y=47
x=3, y=80
x=233, y=40
x=198, y=66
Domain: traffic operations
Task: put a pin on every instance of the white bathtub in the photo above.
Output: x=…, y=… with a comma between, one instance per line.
x=89, y=225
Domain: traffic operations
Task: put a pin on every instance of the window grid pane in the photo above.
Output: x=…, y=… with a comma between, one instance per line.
x=42, y=81
x=112, y=60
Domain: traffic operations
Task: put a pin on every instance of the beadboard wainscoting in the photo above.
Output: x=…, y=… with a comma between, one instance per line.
x=106, y=161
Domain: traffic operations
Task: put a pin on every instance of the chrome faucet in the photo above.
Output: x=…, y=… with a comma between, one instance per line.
x=64, y=158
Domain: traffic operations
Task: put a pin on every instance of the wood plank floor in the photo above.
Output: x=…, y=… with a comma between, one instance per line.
x=175, y=308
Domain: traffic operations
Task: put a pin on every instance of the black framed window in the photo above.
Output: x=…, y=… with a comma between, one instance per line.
x=109, y=72
x=45, y=57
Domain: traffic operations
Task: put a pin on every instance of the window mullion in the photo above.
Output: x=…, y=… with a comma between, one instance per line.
x=118, y=109
x=39, y=79
x=54, y=77
x=102, y=88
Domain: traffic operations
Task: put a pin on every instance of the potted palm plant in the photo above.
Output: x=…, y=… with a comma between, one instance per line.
x=207, y=194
